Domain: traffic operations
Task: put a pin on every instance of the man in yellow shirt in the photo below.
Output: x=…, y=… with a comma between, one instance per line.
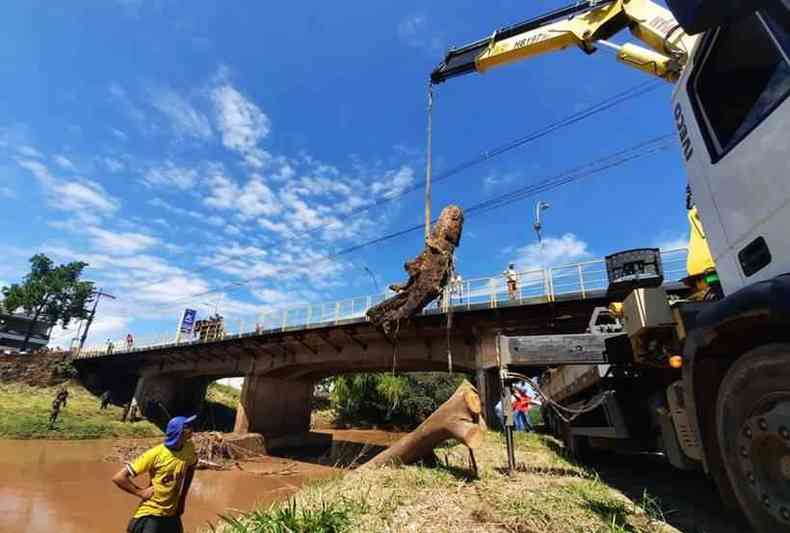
x=170, y=467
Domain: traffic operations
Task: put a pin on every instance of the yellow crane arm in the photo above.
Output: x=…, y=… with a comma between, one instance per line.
x=584, y=25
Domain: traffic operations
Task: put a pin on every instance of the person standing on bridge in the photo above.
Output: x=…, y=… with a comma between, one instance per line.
x=511, y=277
x=129, y=342
x=171, y=467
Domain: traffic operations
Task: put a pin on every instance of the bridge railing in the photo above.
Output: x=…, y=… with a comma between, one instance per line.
x=579, y=280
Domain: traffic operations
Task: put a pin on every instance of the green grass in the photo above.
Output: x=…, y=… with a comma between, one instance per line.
x=223, y=394
x=25, y=410
x=335, y=517
x=548, y=493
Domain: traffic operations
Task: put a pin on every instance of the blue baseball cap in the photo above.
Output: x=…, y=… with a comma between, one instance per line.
x=175, y=428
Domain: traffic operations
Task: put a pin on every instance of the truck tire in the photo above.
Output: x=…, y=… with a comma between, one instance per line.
x=753, y=430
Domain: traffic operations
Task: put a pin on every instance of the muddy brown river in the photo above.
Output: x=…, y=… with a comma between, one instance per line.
x=65, y=486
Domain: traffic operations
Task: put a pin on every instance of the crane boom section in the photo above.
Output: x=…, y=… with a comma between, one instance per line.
x=582, y=25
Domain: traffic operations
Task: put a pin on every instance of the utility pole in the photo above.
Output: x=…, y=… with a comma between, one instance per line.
x=98, y=295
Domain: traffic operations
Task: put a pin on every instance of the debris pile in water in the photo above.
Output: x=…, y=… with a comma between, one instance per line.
x=215, y=451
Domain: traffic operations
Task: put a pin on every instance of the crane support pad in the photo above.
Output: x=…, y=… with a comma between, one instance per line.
x=555, y=350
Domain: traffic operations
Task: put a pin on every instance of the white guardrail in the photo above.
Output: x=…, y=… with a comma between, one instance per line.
x=540, y=285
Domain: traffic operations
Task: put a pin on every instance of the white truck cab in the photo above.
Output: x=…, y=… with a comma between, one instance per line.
x=730, y=108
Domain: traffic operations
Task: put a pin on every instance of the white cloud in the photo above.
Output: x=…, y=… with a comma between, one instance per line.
x=113, y=165
x=252, y=200
x=64, y=163
x=232, y=230
x=84, y=194
x=106, y=326
x=242, y=123
x=494, y=181
x=567, y=249
x=74, y=194
x=119, y=96
x=120, y=134
x=393, y=183
x=673, y=243
x=29, y=151
x=120, y=243
x=274, y=297
x=172, y=176
x=185, y=120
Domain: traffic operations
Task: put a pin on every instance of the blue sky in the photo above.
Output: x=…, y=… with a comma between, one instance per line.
x=179, y=147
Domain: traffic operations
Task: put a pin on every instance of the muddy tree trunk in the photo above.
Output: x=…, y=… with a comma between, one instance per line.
x=458, y=418
x=428, y=274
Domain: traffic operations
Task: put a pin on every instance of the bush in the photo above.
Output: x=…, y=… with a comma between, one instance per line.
x=65, y=369
x=403, y=400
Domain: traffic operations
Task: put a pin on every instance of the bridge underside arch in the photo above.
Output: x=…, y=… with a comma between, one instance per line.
x=281, y=367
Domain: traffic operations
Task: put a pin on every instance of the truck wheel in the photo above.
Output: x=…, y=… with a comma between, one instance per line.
x=753, y=430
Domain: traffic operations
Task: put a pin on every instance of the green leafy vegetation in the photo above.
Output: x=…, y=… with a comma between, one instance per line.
x=219, y=411
x=402, y=400
x=52, y=293
x=334, y=517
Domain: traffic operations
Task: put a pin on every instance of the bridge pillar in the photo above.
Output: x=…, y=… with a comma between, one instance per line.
x=274, y=407
x=488, y=387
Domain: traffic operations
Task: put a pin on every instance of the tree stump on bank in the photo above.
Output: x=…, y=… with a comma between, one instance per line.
x=460, y=418
x=428, y=274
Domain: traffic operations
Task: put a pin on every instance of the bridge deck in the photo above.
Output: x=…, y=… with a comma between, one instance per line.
x=582, y=282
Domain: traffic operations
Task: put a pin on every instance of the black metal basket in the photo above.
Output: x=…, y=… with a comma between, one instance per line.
x=632, y=269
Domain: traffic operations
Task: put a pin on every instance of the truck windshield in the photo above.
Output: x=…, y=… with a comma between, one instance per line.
x=744, y=76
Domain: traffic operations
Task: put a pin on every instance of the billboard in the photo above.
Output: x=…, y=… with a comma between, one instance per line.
x=187, y=323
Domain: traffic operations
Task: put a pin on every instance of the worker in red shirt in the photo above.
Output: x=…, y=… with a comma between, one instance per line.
x=521, y=406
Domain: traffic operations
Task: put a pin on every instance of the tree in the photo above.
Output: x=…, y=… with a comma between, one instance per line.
x=404, y=400
x=54, y=293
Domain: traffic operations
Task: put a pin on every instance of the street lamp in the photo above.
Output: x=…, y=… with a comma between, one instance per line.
x=373, y=277
x=538, y=225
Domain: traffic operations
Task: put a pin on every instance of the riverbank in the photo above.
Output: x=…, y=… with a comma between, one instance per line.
x=547, y=494
x=25, y=410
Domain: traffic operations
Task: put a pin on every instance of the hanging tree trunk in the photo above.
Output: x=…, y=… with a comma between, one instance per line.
x=458, y=418
x=428, y=273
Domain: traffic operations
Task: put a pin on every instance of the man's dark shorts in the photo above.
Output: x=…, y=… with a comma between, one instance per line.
x=155, y=524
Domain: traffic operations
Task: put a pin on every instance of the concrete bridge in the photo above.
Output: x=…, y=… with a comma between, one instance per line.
x=282, y=364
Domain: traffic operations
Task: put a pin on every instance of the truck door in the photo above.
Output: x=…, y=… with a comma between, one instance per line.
x=733, y=118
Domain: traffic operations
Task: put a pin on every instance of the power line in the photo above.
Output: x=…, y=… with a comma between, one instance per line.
x=617, y=99
x=638, y=151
